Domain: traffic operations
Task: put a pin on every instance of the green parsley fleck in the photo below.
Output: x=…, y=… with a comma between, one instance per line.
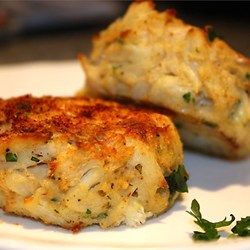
x=211, y=33
x=235, y=109
x=187, y=97
x=102, y=216
x=210, y=124
x=242, y=227
x=210, y=228
x=33, y=158
x=248, y=75
x=10, y=157
x=88, y=211
x=177, y=180
x=54, y=199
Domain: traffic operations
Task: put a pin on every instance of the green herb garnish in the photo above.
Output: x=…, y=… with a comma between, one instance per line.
x=210, y=228
x=242, y=227
x=33, y=158
x=187, y=97
x=54, y=199
x=88, y=211
x=10, y=157
x=235, y=109
x=210, y=124
x=102, y=216
x=211, y=33
x=248, y=76
x=177, y=180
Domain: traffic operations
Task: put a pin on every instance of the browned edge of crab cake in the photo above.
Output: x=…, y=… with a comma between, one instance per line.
x=75, y=162
x=154, y=57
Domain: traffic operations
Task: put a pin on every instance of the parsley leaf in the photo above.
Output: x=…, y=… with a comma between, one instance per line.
x=102, y=216
x=187, y=97
x=210, y=228
x=242, y=227
x=210, y=124
x=88, y=211
x=211, y=33
x=248, y=75
x=177, y=180
x=10, y=157
x=35, y=159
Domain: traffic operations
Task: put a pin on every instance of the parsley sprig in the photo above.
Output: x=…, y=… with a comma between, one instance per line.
x=177, y=180
x=242, y=227
x=210, y=228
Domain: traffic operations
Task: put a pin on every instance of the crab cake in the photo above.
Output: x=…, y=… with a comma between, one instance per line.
x=153, y=57
x=75, y=162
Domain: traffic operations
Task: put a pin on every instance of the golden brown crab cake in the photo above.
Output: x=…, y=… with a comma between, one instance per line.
x=74, y=162
x=153, y=57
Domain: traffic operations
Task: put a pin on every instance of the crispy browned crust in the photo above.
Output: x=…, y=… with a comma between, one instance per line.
x=85, y=122
x=92, y=157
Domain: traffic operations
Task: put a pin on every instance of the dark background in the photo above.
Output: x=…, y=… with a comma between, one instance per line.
x=59, y=30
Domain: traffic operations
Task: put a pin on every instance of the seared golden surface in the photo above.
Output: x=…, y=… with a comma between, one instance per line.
x=156, y=58
x=74, y=162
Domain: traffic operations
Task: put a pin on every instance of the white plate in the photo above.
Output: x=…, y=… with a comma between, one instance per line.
x=222, y=187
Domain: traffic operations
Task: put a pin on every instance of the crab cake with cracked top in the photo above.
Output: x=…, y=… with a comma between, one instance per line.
x=75, y=162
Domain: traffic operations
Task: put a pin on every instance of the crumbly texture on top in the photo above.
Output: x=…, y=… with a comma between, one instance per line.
x=75, y=162
x=154, y=57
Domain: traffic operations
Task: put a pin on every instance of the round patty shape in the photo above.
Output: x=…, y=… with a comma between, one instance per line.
x=153, y=57
x=74, y=162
